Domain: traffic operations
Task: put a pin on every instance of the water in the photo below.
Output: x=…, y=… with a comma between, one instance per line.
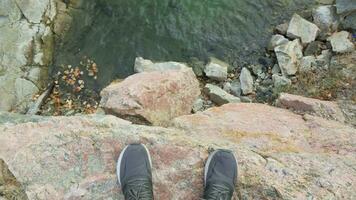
x=114, y=32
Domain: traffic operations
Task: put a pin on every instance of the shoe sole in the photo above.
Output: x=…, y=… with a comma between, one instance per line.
x=207, y=164
x=118, y=168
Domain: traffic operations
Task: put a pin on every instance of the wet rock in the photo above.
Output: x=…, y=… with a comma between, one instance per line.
x=280, y=82
x=345, y=6
x=325, y=18
x=219, y=96
x=143, y=65
x=216, y=70
x=341, y=43
x=307, y=63
x=288, y=56
x=299, y=104
x=303, y=29
x=350, y=22
x=156, y=96
x=246, y=81
x=277, y=40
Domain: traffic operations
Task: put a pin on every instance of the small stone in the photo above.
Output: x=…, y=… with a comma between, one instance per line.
x=341, y=43
x=323, y=60
x=276, y=69
x=219, y=96
x=277, y=40
x=246, y=99
x=246, y=81
x=303, y=29
x=313, y=48
x=198, y=105
x=282, y=28
x=227, y=87
x=307, y=63
x=281, y=81
x=325, y=18
x=288, y=56
x=216, y=70
x=236, y=88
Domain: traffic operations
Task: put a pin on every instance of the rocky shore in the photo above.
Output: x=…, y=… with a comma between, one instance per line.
x=290, y=117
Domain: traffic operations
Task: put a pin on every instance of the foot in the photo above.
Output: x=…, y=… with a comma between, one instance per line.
x=134, y=172
x=220, y=175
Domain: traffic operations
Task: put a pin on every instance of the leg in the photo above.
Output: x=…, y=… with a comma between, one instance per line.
x=134, y=173
x=220, y=175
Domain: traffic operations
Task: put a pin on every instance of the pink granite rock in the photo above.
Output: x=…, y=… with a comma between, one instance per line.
x=299, y=104
x=156, y=96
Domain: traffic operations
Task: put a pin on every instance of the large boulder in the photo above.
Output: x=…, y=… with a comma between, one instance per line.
x=289, y=56
x=154, y=97
x=299, y=104
x=281, y=155
x=303, y=29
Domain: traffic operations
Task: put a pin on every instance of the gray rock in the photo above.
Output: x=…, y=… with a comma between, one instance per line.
x=198, y=105
x=216, y=70
x=281, y=81
x=236, y=88
x=325, y=18
x=277, y=40
x=288, y=56
x=143, y=65
x=276, y=69
x=341, y=43
x=307, y=63
x=282, y=28
x=323, y=60
x=219, y=96
x=227, y=87
x=246, y=99
x=246, y=81
x=313, y=48
x=345, y=6
x=326, y=2
x=7, y=91
x=303, y=29
x=350, y=22
x=24, y=91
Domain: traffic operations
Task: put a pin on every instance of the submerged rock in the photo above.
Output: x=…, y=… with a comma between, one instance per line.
x=288, y=56
x=246, y=81
x=299, y=104
x=341, y=43
x=303, y=29
x=156, y=96
x=219, y=96
x=143, y=65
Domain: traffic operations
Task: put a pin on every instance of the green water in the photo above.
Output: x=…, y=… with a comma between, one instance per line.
x=114, y=32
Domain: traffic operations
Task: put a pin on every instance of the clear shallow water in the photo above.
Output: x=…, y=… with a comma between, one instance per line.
x=114, y=32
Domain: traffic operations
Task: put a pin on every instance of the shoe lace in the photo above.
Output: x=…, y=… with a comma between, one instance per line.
x=138, y=189
x=218, y=192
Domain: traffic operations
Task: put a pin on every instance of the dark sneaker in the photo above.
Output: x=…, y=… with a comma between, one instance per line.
x=134, y=172
x=220, y=175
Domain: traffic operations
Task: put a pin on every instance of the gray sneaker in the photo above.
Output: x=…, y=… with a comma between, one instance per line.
x=134, y=172
x=220, y=175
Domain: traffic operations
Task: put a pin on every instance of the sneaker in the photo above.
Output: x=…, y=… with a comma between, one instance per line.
x=220, y=175
x=134, y=172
